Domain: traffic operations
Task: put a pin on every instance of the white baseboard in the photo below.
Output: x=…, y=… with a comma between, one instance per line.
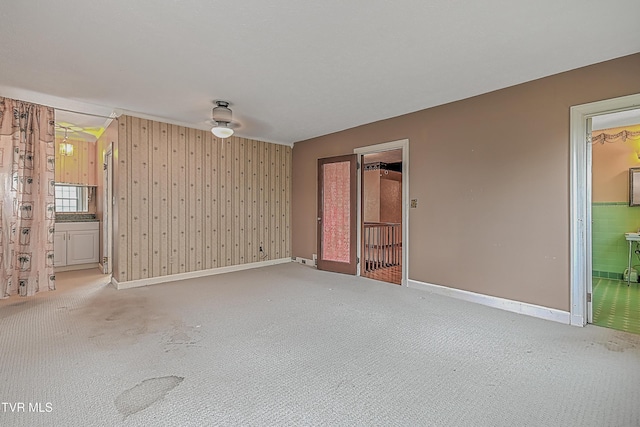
x=76, y=267
x=305, y=261
x=496, y=302
x=194, y=274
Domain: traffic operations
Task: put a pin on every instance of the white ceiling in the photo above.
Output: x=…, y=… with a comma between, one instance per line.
x=391, y=156
x=618, y=119
x=295, y=70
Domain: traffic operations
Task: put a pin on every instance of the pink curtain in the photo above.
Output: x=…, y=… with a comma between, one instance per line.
x=27, y=202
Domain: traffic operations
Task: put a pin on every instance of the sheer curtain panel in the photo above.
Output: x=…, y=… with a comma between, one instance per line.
x=27, y=202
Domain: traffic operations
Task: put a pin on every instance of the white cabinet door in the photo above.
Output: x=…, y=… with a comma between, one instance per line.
x=60, y=248
x=82, y=247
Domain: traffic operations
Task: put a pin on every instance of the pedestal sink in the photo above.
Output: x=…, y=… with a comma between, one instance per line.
x=631, y=237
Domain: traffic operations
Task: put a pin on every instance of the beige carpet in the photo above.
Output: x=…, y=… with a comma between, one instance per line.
x=289, y=345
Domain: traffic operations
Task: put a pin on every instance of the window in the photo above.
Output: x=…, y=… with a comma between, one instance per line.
x=71, y=198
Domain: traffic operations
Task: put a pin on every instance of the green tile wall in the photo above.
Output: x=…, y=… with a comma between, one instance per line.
x=610, y=249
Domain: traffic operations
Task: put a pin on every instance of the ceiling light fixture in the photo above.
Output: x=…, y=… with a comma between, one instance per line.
x=221, y=115
x=66, y=148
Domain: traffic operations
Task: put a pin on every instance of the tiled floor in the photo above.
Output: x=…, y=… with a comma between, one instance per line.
x=389, y=274
x=616, y=305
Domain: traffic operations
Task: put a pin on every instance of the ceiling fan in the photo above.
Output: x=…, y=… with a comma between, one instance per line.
x=88, y=132
x=221, y=116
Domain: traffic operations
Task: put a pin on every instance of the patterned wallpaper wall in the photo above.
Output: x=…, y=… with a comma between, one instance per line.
x=79, y=168
x=188, y=201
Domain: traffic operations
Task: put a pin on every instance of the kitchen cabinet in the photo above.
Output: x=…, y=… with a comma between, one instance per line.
x=76, y=243
x=60, y=248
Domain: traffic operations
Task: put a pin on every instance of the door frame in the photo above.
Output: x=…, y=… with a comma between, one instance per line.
x=107, y=227
x=402, y=144
x=580, y=200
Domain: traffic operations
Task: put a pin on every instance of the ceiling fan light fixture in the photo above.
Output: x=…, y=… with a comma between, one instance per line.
x=221, y=130
x=66, y=148
x=221, y=115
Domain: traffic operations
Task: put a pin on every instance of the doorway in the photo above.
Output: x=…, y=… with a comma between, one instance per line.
x=340, y=196
x=383, y=192
x=381, y=245
x=581, y=229
x=83, y=234
x=615, y=144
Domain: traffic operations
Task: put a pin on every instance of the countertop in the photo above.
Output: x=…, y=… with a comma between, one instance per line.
x=60, y=217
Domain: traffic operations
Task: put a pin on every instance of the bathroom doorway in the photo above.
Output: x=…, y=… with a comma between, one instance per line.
x=581, y=229
x=615, y=150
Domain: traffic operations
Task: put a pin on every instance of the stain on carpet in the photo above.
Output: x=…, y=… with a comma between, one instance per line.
x=11, y=307
x=622, y=342
x=180, y=336
x=145, y=394
x=17, y=304
x=112, y=318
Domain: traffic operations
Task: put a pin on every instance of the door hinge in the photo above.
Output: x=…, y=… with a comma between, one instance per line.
x=588, y=297
x=357, y=165
x=357, y=260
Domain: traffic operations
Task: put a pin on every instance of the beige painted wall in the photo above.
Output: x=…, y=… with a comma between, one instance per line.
x=491, y=175
x=610, y=166
x=187, y=201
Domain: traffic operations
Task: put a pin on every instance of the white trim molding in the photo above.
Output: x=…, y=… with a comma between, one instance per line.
x=519, y=307
x=74, y=267
x=195, y=274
